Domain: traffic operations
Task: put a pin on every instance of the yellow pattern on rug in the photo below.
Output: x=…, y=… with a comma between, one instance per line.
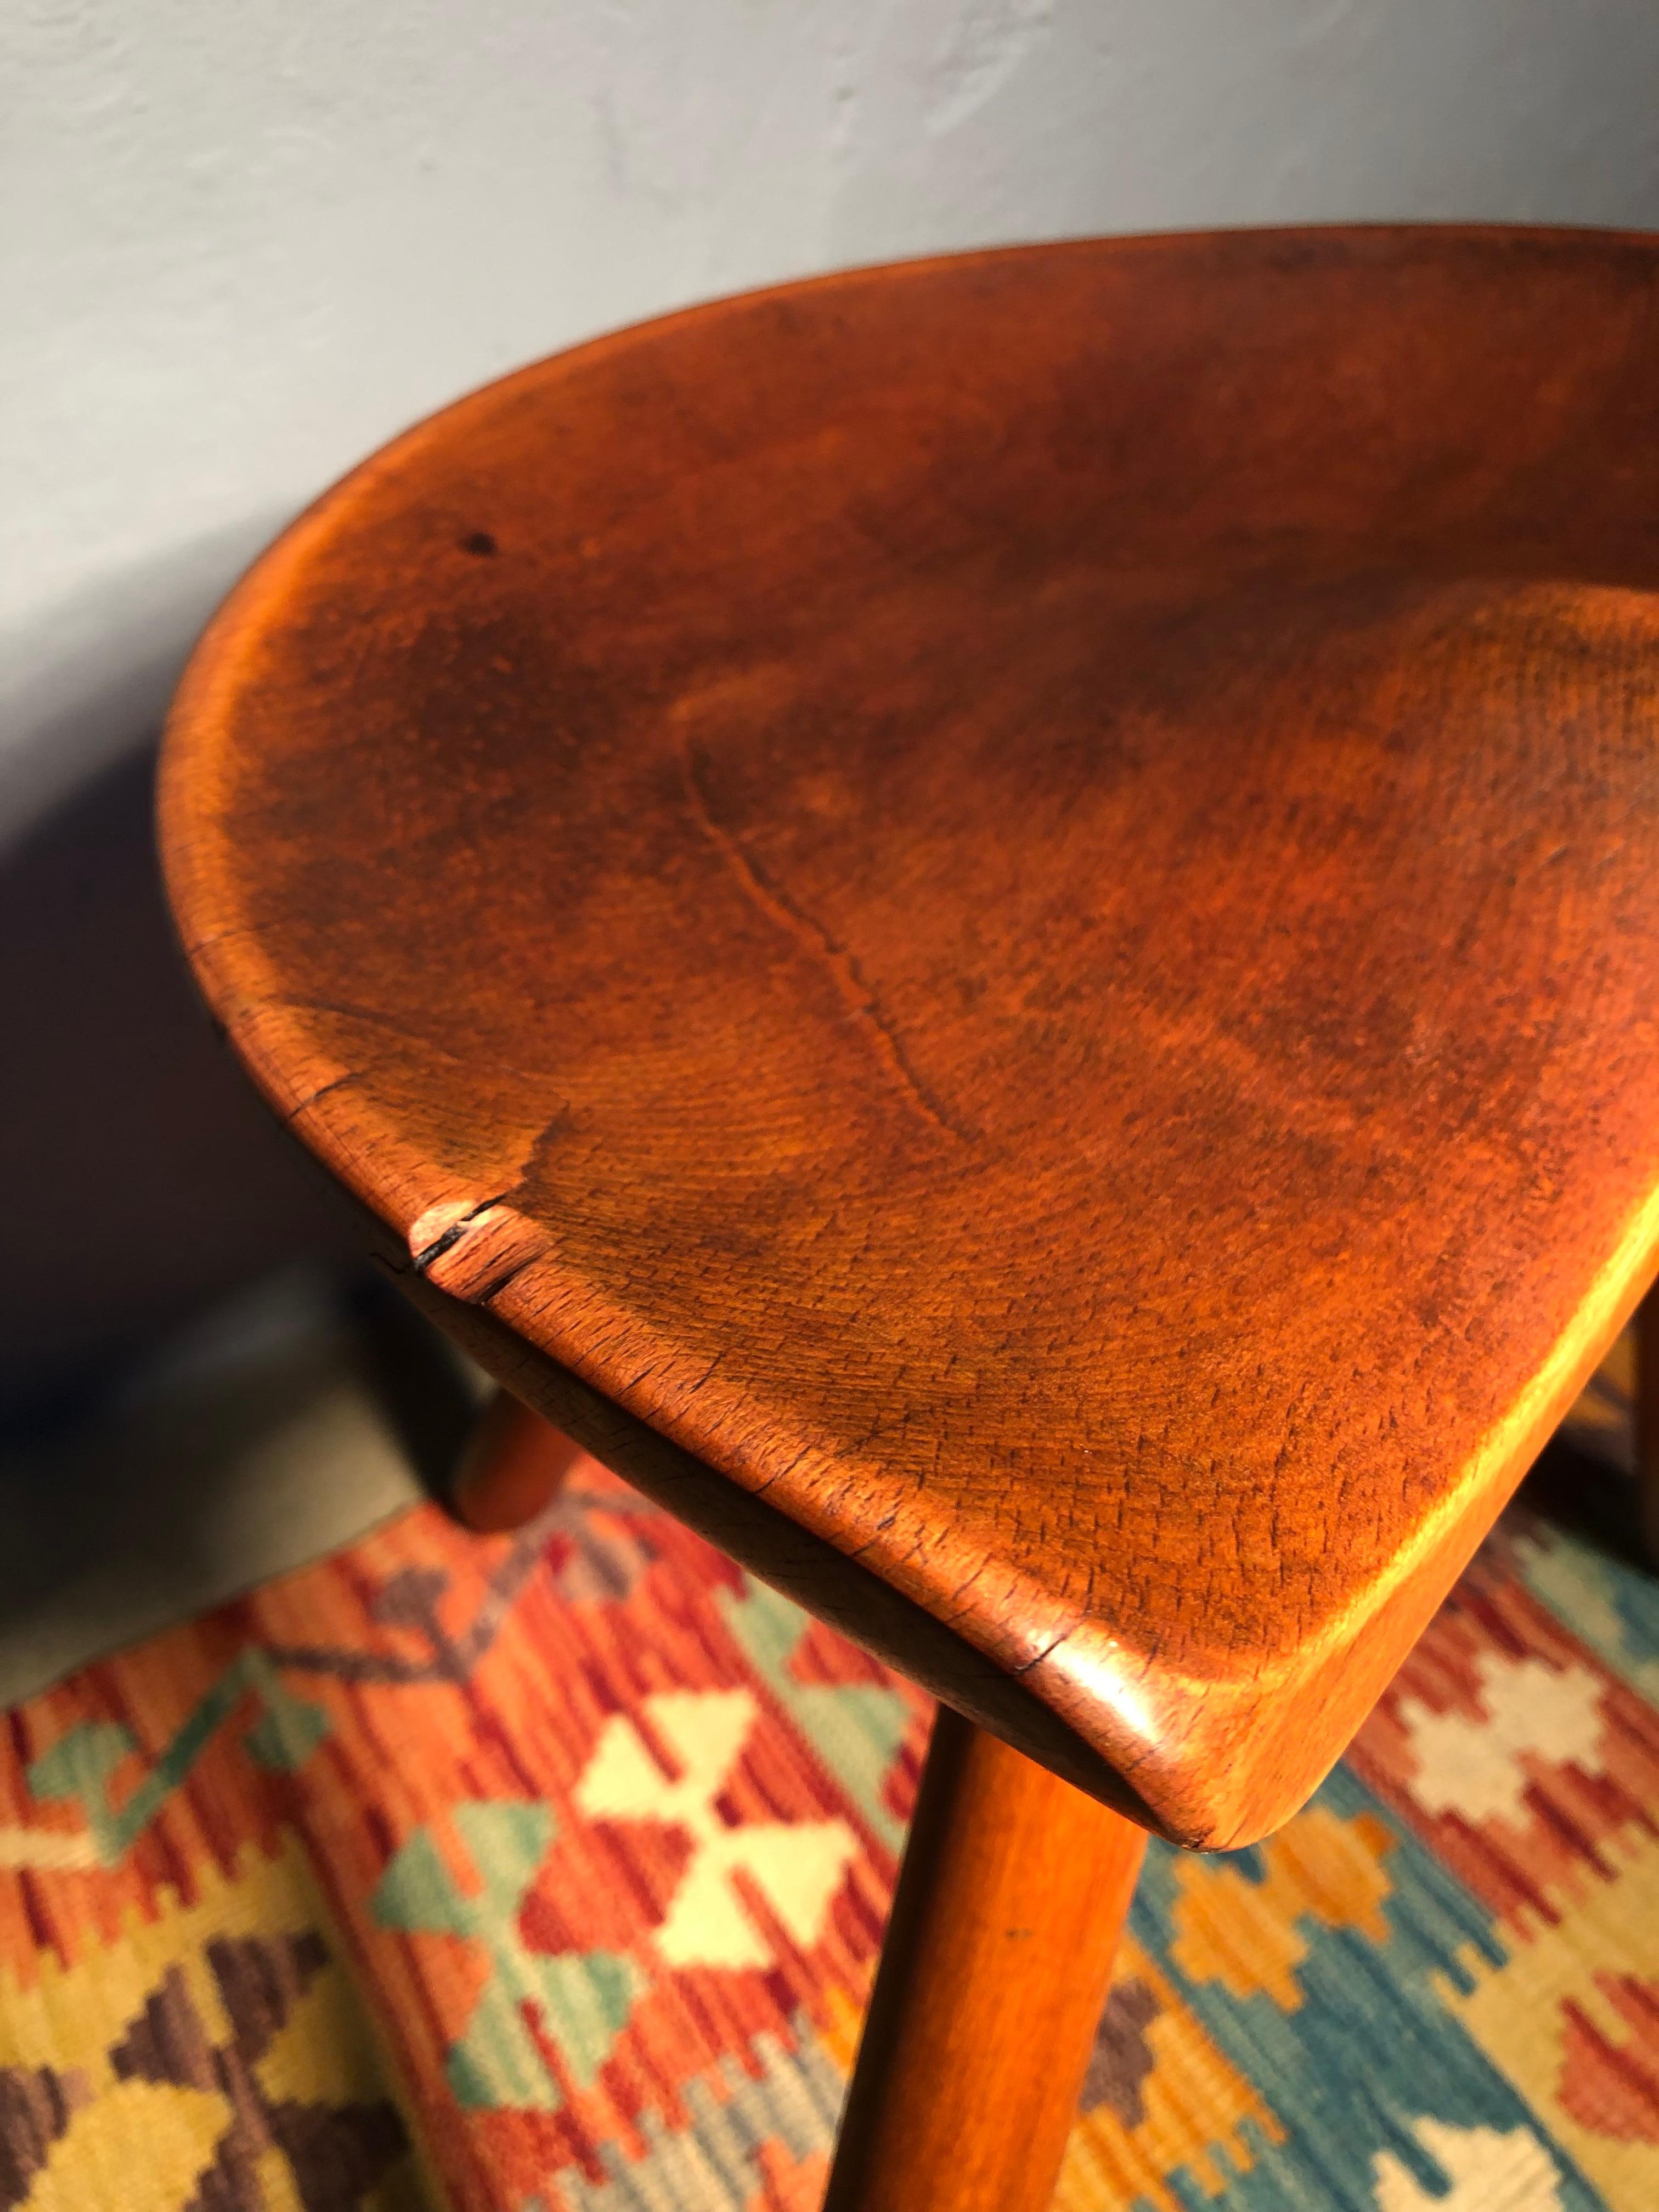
x=1244, y=1934
x=1579, y=2041
x=1186, y=2113
x=215, y=2053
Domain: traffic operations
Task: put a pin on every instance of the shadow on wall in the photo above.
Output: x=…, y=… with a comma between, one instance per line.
x=144, y=1177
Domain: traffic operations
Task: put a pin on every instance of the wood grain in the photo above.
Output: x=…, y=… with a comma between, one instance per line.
x=1008, y=900
x=862, y=1605
x=1011, y=1899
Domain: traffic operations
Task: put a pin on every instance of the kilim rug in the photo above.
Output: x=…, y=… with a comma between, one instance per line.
x=548, y=1875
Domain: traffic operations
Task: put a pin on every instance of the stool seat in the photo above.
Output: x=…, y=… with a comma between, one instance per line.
x=998, y=922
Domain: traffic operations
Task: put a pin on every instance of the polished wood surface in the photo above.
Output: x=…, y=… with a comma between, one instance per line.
x=838, y=1590
x=1010, y=902
x=999, y=1952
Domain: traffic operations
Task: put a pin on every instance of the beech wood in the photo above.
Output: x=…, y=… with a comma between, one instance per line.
x=1010, y=1902
x=1009, y=902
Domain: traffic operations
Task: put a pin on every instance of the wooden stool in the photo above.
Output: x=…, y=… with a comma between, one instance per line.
x=993, y=923
x=1647, y=1423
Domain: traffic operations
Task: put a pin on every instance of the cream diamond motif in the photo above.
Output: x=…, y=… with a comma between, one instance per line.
x=796, y=1866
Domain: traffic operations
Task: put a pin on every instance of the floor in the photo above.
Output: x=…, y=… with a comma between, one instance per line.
x=281, y=1426
x=547, y=1873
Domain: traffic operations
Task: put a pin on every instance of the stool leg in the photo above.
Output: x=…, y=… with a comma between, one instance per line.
x=1010, y=1902
x=1647, y=1420
x=513, y=1463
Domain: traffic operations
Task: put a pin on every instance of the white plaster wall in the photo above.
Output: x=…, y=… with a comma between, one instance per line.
x=243, y=241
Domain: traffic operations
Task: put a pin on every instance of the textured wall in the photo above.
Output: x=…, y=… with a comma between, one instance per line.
x=240, y=244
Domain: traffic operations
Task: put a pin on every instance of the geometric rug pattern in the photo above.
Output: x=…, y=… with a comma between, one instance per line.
x=549, y=1874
